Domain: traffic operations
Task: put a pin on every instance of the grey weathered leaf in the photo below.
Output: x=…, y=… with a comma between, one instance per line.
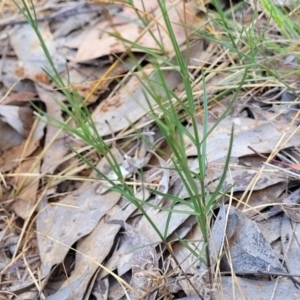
x=292, y=198
x=101, y=288
x=144, y=264
x=218, y=233
x=95, y=247
x=238, y=179
x=260, y=135
x=25, y=41
x=15, y=125
x=112, y=113
x=271, y=228
x=290, y=241
x=75, y=216
x=163, y=185
x=121, y=259
x=241, y=288
x=247, y=248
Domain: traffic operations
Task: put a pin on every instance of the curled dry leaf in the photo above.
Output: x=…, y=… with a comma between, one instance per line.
x=101, y=288
x=58, y=149
x=127, y=165
x=15, y=125
x=27, y=186
x=120, y=259
x=105, y=168
x=19, y=118
x=160, y=218
x=10, y=158
x=190, y=263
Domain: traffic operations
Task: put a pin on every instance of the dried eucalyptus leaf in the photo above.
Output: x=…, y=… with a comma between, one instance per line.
x=290, y=240
x=144, y=263
x=247, y=248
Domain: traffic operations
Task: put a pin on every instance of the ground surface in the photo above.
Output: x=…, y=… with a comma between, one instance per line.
x=66, y=234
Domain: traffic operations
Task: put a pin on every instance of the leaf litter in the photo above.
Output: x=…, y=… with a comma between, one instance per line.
x=66, y=233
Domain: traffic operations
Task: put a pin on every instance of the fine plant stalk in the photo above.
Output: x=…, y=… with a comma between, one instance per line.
x=167, y=121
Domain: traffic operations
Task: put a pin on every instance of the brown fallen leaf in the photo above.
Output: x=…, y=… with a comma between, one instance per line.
x=26, y=186
x=19, y=98
x=88, y=50
x=98, y=42
x=294, y=166
x=84, y=78
x=19, y=118
x=10, y=158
